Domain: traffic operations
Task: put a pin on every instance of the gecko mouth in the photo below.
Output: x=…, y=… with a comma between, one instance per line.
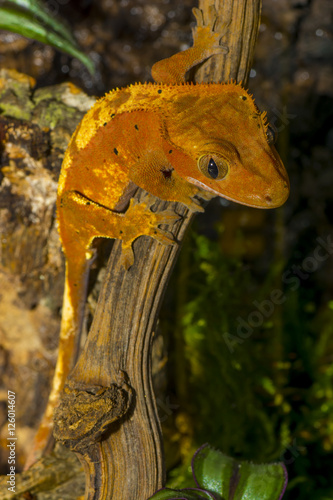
x=273, y=198
x=203, y=186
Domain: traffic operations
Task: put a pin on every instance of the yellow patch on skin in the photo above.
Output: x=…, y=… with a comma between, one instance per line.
x=65, y=166
x=93, y=120
x=88, y=129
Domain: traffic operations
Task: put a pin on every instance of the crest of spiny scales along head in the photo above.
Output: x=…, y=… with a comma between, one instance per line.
x=264, y=119
x=262, y=114
x=185, y=85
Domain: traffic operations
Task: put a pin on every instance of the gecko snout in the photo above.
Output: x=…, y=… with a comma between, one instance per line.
x=277, y=194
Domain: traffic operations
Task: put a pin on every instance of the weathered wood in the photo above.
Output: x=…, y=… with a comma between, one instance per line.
x=128, y=462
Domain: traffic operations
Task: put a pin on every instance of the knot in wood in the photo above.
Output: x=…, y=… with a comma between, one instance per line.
x=86, y=411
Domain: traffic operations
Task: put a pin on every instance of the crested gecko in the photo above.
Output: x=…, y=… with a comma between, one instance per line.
x=177, y=141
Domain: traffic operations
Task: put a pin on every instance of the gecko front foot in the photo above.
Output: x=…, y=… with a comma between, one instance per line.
x=206, y=195
x=208, y=32
x=139, y=220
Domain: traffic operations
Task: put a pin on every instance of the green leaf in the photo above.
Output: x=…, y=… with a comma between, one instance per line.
x=26, y=25
x=39, y=10
x=238, y=480
x=185, y=494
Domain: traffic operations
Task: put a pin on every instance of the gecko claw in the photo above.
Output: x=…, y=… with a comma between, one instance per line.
x=206, y=195
x=169, y=216
x=127, y=256
x=163, y=237
x=194, y=205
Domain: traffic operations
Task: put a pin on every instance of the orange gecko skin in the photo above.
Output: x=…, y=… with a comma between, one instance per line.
x=173, y=141
x=177, y=141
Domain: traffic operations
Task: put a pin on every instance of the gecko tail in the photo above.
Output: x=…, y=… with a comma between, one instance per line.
x=76, y=282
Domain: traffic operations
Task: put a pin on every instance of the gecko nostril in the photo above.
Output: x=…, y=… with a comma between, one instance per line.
x=268, y=199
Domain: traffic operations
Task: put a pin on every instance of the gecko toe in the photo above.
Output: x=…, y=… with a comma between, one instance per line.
x=127, y=256
x=163, y=237
x=169, y=217
x=194, y=205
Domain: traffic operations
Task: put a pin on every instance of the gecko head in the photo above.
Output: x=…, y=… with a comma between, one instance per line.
x=254, y=178
x=230, y=148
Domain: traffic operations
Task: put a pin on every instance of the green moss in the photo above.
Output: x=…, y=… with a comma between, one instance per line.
x=15, y=96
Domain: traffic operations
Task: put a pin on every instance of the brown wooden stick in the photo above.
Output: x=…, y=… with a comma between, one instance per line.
x=112, y=378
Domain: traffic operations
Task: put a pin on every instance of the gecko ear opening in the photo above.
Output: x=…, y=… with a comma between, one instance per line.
x=213, y=166
x=272, y=134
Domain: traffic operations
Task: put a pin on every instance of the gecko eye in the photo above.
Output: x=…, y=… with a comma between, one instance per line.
x=213, y=166
x=271, y=134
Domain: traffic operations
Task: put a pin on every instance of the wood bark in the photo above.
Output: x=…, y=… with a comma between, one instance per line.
x=126, y=462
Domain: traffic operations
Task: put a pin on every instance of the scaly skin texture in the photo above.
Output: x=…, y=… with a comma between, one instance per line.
x=173, y=139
